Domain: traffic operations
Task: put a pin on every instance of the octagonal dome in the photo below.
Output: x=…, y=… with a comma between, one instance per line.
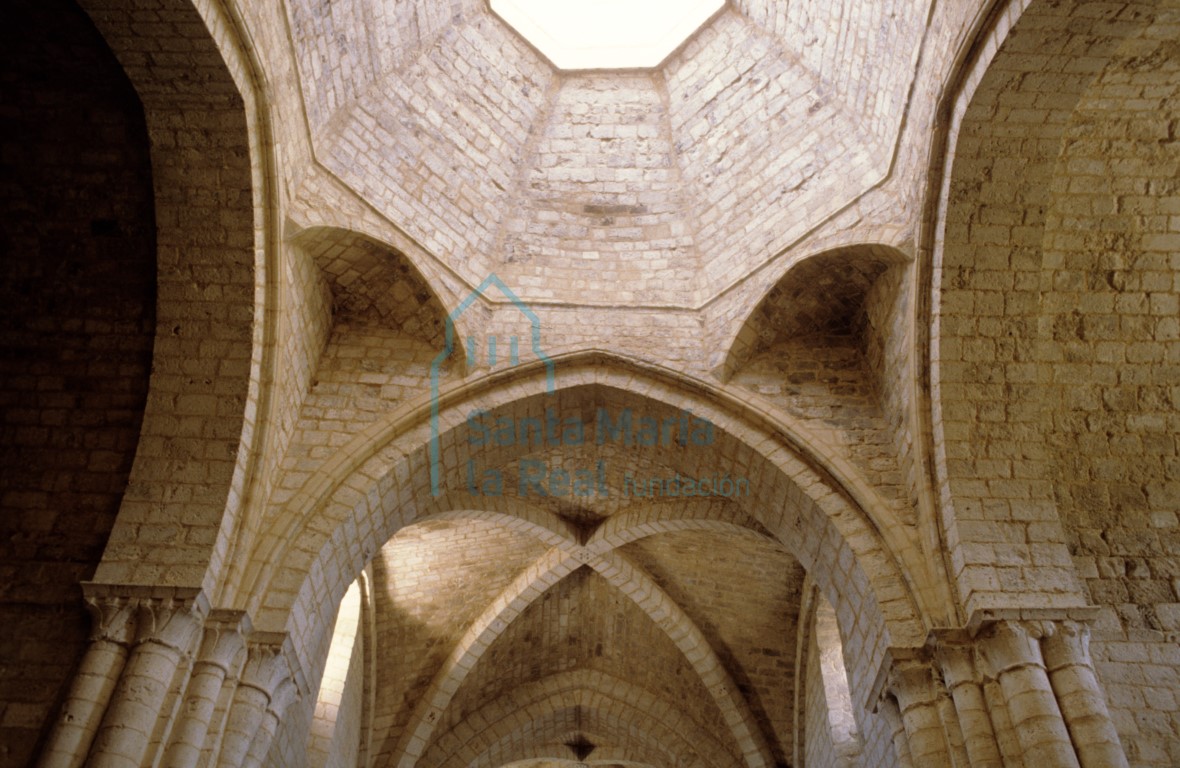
x=652, y=187
x=606, y=34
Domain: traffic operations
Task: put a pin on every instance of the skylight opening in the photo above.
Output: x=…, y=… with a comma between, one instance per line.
x=606, y=34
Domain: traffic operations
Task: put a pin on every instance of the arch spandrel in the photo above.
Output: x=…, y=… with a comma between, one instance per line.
x=381, y=482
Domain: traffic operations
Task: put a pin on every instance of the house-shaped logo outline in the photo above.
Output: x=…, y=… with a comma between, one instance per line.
x=436, y=364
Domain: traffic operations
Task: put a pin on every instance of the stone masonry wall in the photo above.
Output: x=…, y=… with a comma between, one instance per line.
x=601, y=199
x=437, y=144
x=1062, y=327
x=1110, y=304
x=1005, y=539
x=77, y=318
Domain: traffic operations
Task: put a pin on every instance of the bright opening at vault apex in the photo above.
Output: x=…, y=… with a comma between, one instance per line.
x=606, y=34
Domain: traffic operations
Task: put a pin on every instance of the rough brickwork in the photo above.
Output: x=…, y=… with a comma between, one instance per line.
x=1110, y=302
x=865, y=66
x=743, y=622
x=601, y=197
x=191, y=451
x=1080, y=314
x=424, y=596
x=988, y=319
x=77, y=312
x=895, y=282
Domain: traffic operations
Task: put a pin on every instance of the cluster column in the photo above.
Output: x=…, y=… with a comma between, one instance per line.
x=1071, y=673
x=957, y=663
x=221, y=655
x=269, y=683
x=113, y=628
x=168, y=682
x=913, y=684
x=1012, y=653
x=167, y=623
x=1011, y=689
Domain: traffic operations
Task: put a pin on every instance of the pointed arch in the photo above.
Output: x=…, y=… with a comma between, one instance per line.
x=816, y=509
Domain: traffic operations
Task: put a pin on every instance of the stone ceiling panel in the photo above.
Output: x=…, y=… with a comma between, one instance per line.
x=435, y=146
x=766, y=149
x=335, y=56
x=865, y=51
x=744, y=593
x=583, y=623
x=430, y=581
x=601, y=200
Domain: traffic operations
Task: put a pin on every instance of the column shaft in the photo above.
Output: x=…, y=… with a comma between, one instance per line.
x=1015, y=657
x=971, y=711
x=245, y=718
x=262, y=741
x=901, y=743
x=126, y=731
x=266, y=688
x=913, y=686
x=1072, y=676
x=203, y=691
x=90, y=692
x=220, y=657
x=1005, y=734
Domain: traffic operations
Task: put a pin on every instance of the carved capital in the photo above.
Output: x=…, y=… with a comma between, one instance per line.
x=172, y=621
x=957, y=663
x=224, y=642
x=913, y=682
x=909, y=677
x=136, y=613
x=112, y=618
x=1067, y=645
x=266, y=663
x=1007, y=645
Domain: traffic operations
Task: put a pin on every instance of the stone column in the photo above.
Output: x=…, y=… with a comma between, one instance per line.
x=282, y=698
x=1071, y=673
x=166, y=625
x=1012, y=651
x=265, y=672
x=113, y=626
x=218, y=659
x=912, y=683
x=958, y=670
x=1002, y=724
x=889, y=710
